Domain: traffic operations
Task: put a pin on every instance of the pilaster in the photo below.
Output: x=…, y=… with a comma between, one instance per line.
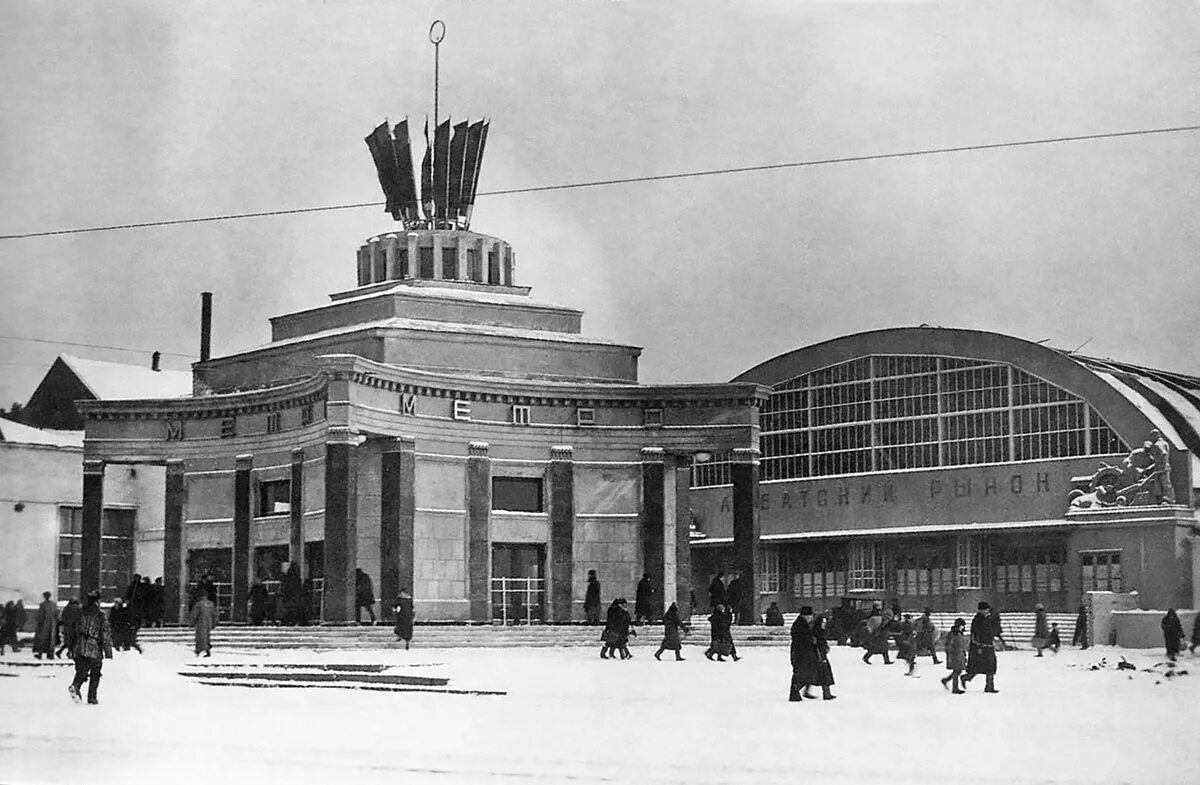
x=241, y=535
x=341, y=535
x=562, y=533
x=396, y=520
x=652, y=523
x=683, y=538
x=479, y=546
x=746, y=530
x=296, y=513
x=91, y=550
x=173, y=516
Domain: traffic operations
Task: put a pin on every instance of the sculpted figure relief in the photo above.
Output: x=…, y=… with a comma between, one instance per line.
x=1143, y=478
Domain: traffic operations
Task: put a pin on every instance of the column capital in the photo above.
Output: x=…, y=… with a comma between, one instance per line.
x=477, y=449
x=745, y=455
x=244, y=461
x=400, y=444
x=174, y=464
x=562, y=452
x=298, y=455
x=93, y=466
x=653, y=455
x=339, y=434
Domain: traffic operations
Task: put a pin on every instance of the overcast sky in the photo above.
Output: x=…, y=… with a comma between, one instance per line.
x=135, y=111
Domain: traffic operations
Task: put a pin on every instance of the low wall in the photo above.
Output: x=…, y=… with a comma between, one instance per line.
x=1143, y=629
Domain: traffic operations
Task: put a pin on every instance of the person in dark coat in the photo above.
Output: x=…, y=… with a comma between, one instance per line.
x=1080, y=637
x=1041, y=629
x=291, y=588
x=875, y=639
x=956, y=655
x=91, y=644
x=1053, y=641
x=642, y=608
x=156, y=604
x=716, y=591
x=591, y=600
x=45, y=628
x=926, y=633
x=733, y=598
x=1172, y=634
x=821, y=635
x=364, y=595
x=906, y=644
x=404, y=618
x=19, y=617
x=774, y=616
x=258, y=599
x=70, y=615
x=997, y=630
x=1195, y=635
x=133, y=597
x=124, y=624
x=721, y=642
x=805, y=662
x=204, y=618
x=8, y=632
x=673, y=628
x=981, y=651
x=617, y=629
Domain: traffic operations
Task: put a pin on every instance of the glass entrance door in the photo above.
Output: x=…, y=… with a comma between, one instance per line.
x=518, y=583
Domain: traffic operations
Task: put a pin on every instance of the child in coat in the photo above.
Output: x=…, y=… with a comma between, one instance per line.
x=956, y=655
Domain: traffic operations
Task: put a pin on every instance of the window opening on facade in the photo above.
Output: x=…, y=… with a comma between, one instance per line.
x=378, y=266
x=462, y=410
x=474, y=268
x=116, y=561
x=274, y=422
x=866, y=566
x=1101, y=570
x=401, y=263
x=425, y=262
x=819, y=574
x=493, y=266
x=518, y=583
x=971, y=561
x=713, y=472
x=517, y=494
x=520, y=415
x=884, y=413
x=218, y=564
x=585, y=416
x=653, y=417
x=450, y=262
x=770, y=570
x=274, y=497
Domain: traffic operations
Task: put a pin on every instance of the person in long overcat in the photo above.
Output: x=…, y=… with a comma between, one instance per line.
x=45, y=628
x=673, y=628
x=404, y=618
x=956, y=655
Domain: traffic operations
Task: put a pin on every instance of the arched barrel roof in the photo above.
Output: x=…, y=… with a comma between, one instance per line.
x=1132, y=399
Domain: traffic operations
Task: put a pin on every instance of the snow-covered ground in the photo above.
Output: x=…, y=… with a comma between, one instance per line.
x=569, y=717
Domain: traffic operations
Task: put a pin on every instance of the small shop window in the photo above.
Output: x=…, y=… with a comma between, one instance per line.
x=517, y=494
x=274, y=497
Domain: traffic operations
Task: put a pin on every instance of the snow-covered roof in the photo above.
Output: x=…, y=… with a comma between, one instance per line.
x=449, y=293
x=428, y=325
x=17, y=433
x=110, y=381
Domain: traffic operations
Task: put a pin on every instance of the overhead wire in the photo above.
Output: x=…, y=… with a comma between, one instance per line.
x=93, y=346
x=630, y=180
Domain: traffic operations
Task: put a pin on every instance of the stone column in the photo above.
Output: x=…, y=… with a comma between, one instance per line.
x=396, y=521
x=414, y=256
x=389, y=248
x=652, y=523
x=341, y=535
x=296, y=513
x=437, y=256
x=374, y=255
x=241, y=535
x=683, y=537
x=479, y=541
x=562, y=533
x=746, y=529
x=176, y=503
x=93, y=525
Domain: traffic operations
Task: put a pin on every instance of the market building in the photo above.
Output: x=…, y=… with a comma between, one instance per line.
x=435, y=426
x=940, y=467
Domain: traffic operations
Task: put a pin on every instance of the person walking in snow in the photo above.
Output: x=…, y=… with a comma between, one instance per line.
x=1172, y=634
x=875, y=640
x=91, y=645
x=733, y=599
x=956, y=655
x=364, y=595
x=45, y=628
x=716, y=591
x=1053, y=642
x=1041, y=629
x=617, y=629
x=204, y=618
x=1080, y=637
x=66, y=626
x=673, y=628
x=404, y=618
x=721, y=642
x=642, y=607
x=981, y=651
x=805, y=662
x=591, y=600
x=906, y=644
x=926, y=634
x=820, y=629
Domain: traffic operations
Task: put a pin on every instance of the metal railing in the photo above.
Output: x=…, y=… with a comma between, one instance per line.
x=517, y=600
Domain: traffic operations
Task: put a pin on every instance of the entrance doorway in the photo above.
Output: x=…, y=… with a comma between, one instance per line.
x=217, y=563
x=518, y=583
